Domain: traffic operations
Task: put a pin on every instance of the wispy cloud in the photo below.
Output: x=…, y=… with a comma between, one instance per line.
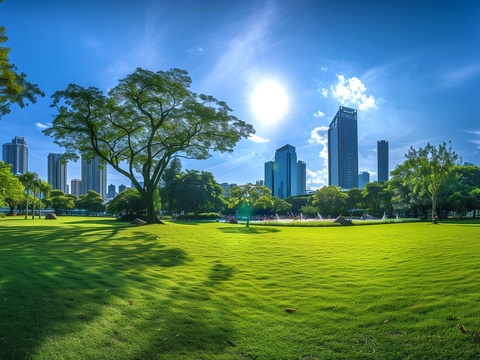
x=319, y=114
x=475, y=140
x=41, y=126
x=352, y=92
x=242, y=50
x=461, y=74
x=257, y=139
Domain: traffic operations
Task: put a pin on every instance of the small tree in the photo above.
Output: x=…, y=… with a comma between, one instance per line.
x=249, y=197
x=427, y=169
x=11, y=189
x=27, y=179
x=329, y=201
x=92, y=202
x=128, y=202
x=198, y=191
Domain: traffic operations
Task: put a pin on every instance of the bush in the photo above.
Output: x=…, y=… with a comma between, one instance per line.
x=201, y=216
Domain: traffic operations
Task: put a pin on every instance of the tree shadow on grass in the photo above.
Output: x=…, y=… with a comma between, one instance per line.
x=248, y=230
x=55, y=280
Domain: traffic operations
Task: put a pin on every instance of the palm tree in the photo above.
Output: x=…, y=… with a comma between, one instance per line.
x=43, y=188
x=27, y=180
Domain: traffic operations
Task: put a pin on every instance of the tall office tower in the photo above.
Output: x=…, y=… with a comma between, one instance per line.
x=363, y=178
x=382, y=160
x=16, y=154
x=301, y=177
x=111, y=191
x=57, y=172
x=76, y=187
x=285, y=176
x=121, y=188
x=94, y=177
x=343, y=149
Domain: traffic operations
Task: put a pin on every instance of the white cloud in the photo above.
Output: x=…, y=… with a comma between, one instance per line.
x=319, y=114
x=42, y=126
x=324, y=92
x=353, y=91
x=257, y=139
x=324, y=69
x=319, y=178
x=316, y=136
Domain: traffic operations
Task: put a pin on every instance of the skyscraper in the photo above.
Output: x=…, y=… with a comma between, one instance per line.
x=57, y=172
x=286, y=176
x=343, y=149
x=94, y=176
x=363, y=178
x=111, y=191
x=76, y=187
x=382, y=160
x=16, y=154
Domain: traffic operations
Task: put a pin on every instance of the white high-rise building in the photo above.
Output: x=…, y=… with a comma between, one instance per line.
x=16, y=154
x=94, y=176
x=57, y=172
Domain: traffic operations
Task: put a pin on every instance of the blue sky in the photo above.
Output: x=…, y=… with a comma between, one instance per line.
x=410, y=68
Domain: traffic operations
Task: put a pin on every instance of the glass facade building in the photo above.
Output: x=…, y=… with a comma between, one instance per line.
x=343, y=149
x=286, y=176
x=16, y=154
x=57, y=172
x=94, y=177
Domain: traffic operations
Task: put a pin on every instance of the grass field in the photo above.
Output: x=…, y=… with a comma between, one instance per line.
x=91, y=288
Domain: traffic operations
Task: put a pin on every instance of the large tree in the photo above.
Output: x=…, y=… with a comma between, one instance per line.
x=14, y=88
x=142, y=123
x=427, y=169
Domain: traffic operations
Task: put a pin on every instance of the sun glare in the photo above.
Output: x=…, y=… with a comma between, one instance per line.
x=269, y=101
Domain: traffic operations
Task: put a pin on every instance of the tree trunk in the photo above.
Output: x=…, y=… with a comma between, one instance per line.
x=150, y=207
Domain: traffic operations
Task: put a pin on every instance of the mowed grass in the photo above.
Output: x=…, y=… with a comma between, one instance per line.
x=90, y=288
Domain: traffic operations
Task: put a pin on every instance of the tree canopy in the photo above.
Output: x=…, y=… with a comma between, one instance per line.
x=14, y=88
x=11, y=189
x=143, y=122
x=198, y=191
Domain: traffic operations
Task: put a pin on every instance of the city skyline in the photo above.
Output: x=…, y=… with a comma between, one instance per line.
x=277, y=64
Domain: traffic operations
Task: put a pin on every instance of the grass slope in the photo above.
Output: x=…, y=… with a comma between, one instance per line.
x=83, y=288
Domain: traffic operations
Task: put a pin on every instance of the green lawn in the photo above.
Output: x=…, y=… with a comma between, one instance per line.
x=92, y=288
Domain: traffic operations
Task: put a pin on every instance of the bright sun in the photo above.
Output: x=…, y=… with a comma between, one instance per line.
x=269, y=101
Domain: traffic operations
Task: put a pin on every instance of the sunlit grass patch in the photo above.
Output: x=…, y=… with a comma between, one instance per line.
x=88, y=288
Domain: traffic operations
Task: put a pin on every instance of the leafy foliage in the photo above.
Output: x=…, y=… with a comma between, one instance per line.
x=250, y=196
x=14, y=88
x=330, y=201
x=197, y=191
x=11, y=189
